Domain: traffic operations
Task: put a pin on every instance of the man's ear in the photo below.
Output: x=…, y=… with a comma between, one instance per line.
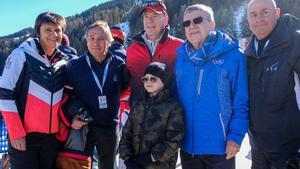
x=212, y=25
x=277, y=12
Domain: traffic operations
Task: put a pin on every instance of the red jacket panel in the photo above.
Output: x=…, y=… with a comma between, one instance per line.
x=139, y=56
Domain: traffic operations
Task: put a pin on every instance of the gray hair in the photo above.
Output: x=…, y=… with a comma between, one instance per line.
x=204, y=8
x=102, y=24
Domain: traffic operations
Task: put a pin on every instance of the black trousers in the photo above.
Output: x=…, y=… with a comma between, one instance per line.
x=270, y=160
x=105, y=140
x=189, y=161
x=41, y=152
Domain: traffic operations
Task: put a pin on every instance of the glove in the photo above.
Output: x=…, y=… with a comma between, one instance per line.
x=130, y=164
x=143, y=159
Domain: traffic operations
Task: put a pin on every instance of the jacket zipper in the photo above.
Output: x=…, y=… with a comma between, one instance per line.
x=223, y=126
x=263, y=78
x=150, y=54
x=51, y=102
x=193, y=127
x=51, y=113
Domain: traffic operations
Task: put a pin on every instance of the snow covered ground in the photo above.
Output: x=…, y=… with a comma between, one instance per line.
x=243, y=159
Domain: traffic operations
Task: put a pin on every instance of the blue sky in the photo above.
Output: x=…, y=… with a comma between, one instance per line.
x=16, y=15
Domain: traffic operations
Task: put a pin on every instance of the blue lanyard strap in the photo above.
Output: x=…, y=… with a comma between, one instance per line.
x=95, y=76
x=256, y=46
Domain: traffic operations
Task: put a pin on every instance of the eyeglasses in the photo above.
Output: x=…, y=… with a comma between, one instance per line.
x=145, y=3
x=197, y=20
x=152, y=79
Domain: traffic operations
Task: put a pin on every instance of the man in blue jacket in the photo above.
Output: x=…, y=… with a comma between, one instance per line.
x=211, y=82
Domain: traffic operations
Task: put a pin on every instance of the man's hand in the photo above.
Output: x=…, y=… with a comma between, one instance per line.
x=231, y=149
x=77, y=123
x=19, y=144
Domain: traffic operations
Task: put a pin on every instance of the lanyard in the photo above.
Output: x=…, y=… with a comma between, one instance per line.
x=256, y=46
x=95, y=76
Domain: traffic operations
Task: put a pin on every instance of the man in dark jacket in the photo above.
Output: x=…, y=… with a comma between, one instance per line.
x=118, y=45
x=97, y=79
x=274, y=68
x=66, y=48
x=151, y=45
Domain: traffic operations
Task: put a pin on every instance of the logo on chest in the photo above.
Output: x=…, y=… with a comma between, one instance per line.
x=115, y=78
x=218, y=61
x=273, y=68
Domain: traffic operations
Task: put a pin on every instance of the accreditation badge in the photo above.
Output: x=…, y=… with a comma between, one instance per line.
x=102, y=102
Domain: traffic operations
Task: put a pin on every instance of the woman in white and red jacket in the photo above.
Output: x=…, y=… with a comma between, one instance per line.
x=31, y=91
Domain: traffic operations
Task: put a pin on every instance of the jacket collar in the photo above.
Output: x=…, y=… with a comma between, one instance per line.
x=159, y=98
x=95, y=62
x=217, y=43
x=33, y=46
x=280, y=37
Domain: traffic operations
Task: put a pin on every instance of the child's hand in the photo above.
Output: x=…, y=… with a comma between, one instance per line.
x=77, y=123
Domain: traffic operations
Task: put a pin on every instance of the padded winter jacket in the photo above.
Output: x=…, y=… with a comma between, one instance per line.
x=212, y=87
x=139, y=56
x=155, y=125
x=274, y=114
x=31, y=90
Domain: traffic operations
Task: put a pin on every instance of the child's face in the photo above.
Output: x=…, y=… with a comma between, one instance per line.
x=152, y=84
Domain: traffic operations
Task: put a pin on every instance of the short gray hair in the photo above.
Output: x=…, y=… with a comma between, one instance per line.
x=204, y=8
x=102, y=24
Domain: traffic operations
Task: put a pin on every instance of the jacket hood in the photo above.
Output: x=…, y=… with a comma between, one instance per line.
x=280, y=35
x=32, y=45
x=221, y=42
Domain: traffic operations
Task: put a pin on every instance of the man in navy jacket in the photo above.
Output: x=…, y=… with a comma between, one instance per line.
x=96, y=80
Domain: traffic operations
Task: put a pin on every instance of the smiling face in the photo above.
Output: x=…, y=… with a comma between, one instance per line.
x=197, y=33
x=152, y=84
x=262, y=16
x=153, y=24
x=97, y=43
x=50, y=37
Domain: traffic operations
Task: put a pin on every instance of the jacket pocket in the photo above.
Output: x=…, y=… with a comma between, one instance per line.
x=223, y=126
x=275, y=83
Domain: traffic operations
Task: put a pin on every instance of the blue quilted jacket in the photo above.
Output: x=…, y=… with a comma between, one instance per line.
x=211, y=85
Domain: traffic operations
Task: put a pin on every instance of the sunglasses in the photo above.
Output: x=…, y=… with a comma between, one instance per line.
x=197, y=20
x=152, y=79
x=145, y=3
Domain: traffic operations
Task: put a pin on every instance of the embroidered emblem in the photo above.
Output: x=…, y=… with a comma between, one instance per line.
x=115, y=79
x=273, y=68
x=218, y=61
